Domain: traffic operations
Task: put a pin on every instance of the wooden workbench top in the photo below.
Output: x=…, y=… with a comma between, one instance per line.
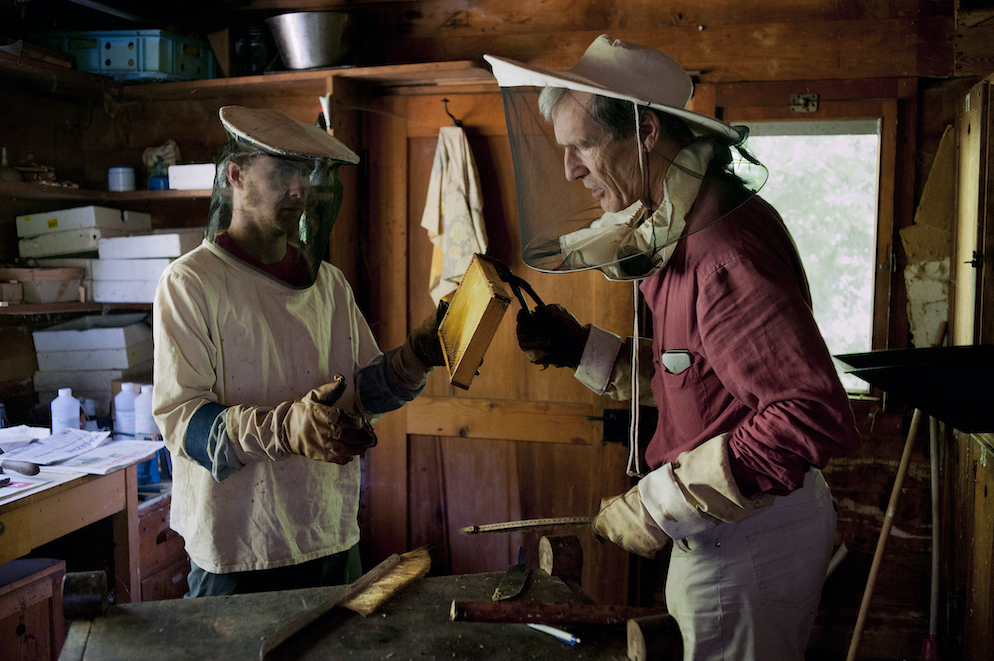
x=415, y=624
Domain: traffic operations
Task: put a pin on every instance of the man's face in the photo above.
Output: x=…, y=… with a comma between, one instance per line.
x=609, y=168
x=273, y=192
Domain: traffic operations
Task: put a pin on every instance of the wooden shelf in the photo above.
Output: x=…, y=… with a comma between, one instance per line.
x=28, y=309
x=428, y=75
x=399, y=78
x=35, y=191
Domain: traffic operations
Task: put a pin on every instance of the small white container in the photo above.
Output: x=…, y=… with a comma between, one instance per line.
x=121, y=179
x=124, y=409
x=145, y=426
x=65, y=411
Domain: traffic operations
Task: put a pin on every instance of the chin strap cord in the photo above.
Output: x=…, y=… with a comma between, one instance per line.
x=634, y=456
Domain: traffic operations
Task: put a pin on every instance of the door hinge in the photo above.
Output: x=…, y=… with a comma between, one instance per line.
x=617, y=423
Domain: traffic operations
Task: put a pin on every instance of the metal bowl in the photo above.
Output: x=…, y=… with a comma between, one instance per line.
x=314, y=39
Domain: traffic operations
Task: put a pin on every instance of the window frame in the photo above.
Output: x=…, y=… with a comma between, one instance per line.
x=892, y=103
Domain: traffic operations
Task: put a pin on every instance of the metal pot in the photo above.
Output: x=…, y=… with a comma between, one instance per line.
x=314, y=39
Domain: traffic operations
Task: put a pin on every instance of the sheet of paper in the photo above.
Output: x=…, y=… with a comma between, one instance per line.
x=109, y=457
x=12, y=438
x=24, y=485
x=66, y=444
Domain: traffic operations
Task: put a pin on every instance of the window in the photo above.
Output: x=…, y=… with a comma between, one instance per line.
x=823, y=181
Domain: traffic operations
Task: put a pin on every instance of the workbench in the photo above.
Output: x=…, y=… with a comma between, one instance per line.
x=27, y=522
x=414, y=624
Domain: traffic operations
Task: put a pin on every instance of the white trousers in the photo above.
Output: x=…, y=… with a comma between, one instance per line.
x=749, y=591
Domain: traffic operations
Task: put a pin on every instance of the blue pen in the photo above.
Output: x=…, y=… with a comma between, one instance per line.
x=559, y=634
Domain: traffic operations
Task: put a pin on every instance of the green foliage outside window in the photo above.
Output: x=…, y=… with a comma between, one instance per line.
x=825, y=188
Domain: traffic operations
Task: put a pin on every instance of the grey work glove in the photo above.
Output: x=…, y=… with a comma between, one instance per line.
x=423, y=340
x=551, y=336
x=317, y=430
x=624, y=520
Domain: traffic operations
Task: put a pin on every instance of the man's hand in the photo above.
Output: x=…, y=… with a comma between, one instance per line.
x=317, y=430
x=423, y=340
x=551, y=336
x=624, y=520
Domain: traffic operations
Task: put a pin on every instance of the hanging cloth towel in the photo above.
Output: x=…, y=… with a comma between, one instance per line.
x=453, y=212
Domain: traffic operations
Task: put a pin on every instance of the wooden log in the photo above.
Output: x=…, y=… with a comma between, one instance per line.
x=503, y=611
x=561, y=556
x=654, y=637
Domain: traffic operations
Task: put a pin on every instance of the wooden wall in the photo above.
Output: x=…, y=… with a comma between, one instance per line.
x=933, y=43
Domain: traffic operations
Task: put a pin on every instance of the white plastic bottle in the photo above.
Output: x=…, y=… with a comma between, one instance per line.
x=145, y=426
x=65, y=411
x=124, y=409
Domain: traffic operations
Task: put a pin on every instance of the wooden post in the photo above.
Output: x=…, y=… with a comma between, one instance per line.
x=654, y=638
x=561, y=556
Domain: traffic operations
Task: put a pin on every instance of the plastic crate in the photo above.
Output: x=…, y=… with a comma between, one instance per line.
x=135, y=54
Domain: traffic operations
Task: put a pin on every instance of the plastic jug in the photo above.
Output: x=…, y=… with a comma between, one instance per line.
x=145, y=426
x=65, y=411
x=124, y=409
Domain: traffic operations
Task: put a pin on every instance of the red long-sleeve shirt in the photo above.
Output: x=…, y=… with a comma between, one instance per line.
x=735, y=296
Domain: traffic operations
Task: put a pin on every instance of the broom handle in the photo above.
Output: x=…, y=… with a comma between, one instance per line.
x=878, y=554
x=884, y=534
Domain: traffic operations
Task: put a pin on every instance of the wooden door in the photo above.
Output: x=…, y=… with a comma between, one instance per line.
x=971, y=300
x=518, y=444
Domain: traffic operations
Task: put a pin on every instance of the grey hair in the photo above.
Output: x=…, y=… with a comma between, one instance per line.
x=615, y=115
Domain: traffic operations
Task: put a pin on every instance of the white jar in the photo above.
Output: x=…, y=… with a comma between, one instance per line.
x=145, y=426
x=65, y=411
x=124, y=409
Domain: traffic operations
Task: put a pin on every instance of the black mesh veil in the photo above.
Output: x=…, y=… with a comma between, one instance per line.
x=301, y=176
x=563, y=227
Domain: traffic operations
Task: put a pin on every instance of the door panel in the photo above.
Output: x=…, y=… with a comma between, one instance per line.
x=518, y=443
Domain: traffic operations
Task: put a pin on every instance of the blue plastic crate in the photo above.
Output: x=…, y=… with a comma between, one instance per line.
x=136, y=55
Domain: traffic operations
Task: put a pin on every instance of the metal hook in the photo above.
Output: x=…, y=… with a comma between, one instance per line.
x=455, y=122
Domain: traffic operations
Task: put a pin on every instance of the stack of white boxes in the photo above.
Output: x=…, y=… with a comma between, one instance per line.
x=129, y=267
x=75, y=231
x=90, y=353
x=122, y=255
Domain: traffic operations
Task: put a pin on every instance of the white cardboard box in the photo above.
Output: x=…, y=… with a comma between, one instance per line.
x=37, y=224
x=150, y=246
x=191, y=176
x=86, y=380
x=121, y=291
x=95, y=359
x=129, y=269
x=68, y=242
x=94, y=332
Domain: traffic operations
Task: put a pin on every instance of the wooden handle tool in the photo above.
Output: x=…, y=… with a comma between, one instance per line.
x=23, y=467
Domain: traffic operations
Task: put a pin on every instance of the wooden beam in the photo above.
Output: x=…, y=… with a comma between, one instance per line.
x=514, y=420
x=867, y=48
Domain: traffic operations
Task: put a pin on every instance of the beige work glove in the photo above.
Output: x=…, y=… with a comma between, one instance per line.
x=311, y=427
x=315, y=429
x=624, y=520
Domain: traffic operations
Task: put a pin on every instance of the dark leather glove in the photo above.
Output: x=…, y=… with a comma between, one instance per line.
x=423, y=340
x=552, y=336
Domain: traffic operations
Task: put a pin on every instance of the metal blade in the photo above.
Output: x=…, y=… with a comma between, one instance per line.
x=512, y=583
